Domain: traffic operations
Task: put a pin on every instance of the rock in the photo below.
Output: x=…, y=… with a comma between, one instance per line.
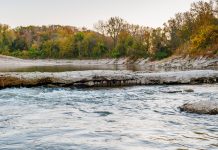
x=202, y=107
x=173, y=91
x=178, y=63
x=105, y=78
x=189, y=90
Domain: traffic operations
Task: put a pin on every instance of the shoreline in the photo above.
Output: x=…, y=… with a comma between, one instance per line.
x=195, y=72
x=105, y=78
x=179, y=63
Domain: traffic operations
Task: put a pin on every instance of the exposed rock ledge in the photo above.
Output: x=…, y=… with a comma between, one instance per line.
x=172, y=63
x=102, y=78
x=202, y=107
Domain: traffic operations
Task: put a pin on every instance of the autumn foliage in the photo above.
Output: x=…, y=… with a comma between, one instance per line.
x=193, y=33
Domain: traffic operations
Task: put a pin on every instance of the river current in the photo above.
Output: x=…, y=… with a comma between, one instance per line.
x=133, y=118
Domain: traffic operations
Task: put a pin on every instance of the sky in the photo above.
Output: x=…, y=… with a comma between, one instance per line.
x=84, y=13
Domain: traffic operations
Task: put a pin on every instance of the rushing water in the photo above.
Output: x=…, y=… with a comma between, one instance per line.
x=140, y=117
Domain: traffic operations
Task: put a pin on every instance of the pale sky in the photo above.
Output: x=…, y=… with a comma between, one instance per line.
x=81, y=13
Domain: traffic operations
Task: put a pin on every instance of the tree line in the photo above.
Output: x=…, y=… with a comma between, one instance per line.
x=193, y=33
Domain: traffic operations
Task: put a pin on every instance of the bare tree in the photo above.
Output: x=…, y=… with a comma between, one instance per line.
x=100, y=26
x=112, y=28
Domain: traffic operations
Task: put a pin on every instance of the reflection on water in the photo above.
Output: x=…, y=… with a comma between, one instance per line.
x=63, y=68
x=140, y=117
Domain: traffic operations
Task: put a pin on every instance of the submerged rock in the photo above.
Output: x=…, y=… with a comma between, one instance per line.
x=202, y=107
x=189, y=90
x=103, y=113
x=172, y=91
x=105, y=78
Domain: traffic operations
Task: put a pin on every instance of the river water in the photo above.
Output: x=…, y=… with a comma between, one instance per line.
x=133, y=118
x=65, y=68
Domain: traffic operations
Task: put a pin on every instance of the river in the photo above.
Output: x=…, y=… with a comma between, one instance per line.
x=135, y=118
x=65, y=68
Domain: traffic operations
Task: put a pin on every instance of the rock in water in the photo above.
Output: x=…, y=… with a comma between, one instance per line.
x=202, y=107
x=189, y=90
x=172, y=91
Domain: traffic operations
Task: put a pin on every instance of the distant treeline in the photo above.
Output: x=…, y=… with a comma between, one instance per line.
x=193, y=33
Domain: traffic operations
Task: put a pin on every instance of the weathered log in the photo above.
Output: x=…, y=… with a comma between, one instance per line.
x=103, y=78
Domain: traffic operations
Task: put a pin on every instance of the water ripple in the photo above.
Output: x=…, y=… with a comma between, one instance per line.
x=140, y=117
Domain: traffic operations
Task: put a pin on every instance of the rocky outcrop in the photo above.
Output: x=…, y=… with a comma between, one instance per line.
x=102, y=78
x=183, y=63
x=172, y=63
x=202, y=107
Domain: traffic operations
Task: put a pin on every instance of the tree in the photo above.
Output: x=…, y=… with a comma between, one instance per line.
x=101, y=27
x=78, y=38
x=159, y=48
x=7, y=36
x=112, y=27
